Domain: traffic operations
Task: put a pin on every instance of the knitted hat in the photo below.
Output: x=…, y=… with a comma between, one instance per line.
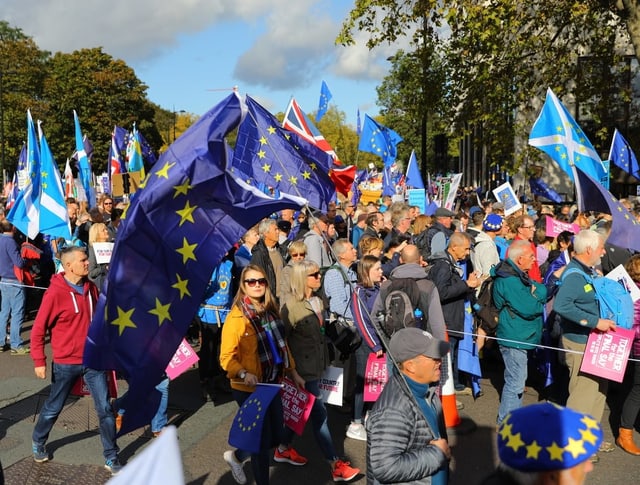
x=545, y=436
x=492, y=223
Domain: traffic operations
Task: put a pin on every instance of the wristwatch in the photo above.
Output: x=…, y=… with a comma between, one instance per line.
x=242, y=374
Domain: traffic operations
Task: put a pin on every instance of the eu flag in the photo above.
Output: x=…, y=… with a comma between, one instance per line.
x=246, y=430
x=83, y=163
x=414, y=179
x=188, y=214
x=622, y=155
x=379, y=140
x=388, y=188
x=540, y=188
x=591, y=196
x=556, y=133
x=323, y=104
x=267, y=154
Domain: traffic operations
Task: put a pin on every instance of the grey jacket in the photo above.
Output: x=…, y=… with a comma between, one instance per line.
x=398, y=437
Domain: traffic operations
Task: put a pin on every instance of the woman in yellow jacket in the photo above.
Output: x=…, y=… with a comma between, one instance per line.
x=253, y=350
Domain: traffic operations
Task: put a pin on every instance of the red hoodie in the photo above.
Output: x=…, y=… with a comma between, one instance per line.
x=66, y=314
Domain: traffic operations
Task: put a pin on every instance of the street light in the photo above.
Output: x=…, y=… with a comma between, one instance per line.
x=175, y=113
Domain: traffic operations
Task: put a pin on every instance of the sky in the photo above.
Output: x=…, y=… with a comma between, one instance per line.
x=191, y=53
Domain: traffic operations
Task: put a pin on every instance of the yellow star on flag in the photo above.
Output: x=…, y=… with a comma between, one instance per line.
x=313, y=166
x=262, y=154
x=271, y=130
x=124, y=320
x=187, y=251
x=182, y=189
x=186, y=214
x=293, y=180
x=181, y=286
x=263, y=140
x=278, y=177
x=266, y=168
x=161, y=311
x=306, y=175
x=164, y=171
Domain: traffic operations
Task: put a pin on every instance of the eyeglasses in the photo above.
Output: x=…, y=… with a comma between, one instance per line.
x=314, y=275
x=253, y=282
x=298, y=255
x=107, y=203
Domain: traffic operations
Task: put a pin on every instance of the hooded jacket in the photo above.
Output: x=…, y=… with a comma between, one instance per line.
x=66, y=315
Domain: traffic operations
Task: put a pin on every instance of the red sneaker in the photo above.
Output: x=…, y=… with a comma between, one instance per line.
x=342, y=472
x=290, y=456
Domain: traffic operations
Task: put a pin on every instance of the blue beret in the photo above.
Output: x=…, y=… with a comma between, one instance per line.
x=545, y=436
x=492, y=223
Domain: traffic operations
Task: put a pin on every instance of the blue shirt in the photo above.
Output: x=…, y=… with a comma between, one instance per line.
x=340, y=291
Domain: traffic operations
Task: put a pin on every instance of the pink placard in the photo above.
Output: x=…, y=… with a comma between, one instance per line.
x=375, y=377
x=182, y=360
x=296, y=406
x=607, y=353
x=555, y=227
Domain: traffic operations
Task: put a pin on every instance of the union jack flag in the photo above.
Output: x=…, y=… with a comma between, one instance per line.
x=297, y=121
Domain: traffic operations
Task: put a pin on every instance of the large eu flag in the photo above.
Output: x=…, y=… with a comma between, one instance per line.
x=188, y=214
x=379, y=140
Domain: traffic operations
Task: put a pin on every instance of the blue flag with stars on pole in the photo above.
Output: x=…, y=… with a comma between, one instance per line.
x=379, y=140
x=414, y=179
x=246, y=430
x=83, y=163
x=323, y=104
x=556, y=133
x=188, y=213
x=622, y=156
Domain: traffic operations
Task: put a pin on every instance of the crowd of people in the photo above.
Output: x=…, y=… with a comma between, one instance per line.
x=274, y=299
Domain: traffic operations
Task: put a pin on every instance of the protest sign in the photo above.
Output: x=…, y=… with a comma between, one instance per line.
x=296, y=406
x=330, y=385
x=375, y=377
x=607, y=353
x=182, y=360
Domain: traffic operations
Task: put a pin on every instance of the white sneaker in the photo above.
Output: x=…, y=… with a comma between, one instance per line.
x=356, y=431
x=236, y=467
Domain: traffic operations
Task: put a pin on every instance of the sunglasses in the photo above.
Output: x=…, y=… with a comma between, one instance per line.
x=314, y=275
x=297, y=255
x=253, y=282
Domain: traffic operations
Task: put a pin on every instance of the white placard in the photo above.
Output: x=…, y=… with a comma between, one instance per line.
x=330, y=385
x=620, y=275
x=103, y=252
x=507, y=196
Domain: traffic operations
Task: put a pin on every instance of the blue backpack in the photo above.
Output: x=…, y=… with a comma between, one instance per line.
x=613, y=298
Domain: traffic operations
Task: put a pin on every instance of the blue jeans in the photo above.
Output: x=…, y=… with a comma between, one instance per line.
x=515, y=376
x=159, y=421
x=320, y=423
x=12, y=303
x=63, y=377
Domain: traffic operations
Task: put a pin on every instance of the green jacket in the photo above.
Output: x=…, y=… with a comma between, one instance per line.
x=520, y=301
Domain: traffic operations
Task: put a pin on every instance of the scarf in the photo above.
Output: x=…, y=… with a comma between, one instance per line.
x=272, y=349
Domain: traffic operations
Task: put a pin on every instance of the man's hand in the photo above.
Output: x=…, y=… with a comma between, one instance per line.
x=444, y=446
x=604, y=324
x=41, y=372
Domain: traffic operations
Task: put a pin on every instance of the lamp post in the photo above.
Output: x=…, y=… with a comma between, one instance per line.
x=175, y=118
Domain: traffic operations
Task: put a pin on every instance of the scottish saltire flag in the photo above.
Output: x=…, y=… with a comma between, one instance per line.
x=323, y=104
x=188, y=214
x=84, y=168
x=268, y=154
x=358, y=124
x=246, y=430
x=414, y=179
x=54, y=218
x=379, y=140
x=387, y=182
x=556, y=133
x=115, y=156
x=135, y=162
x=69, y=182
x=25, y=213
x=540, y=188
x=592, y=196
x=297, y=121
x=622, y=155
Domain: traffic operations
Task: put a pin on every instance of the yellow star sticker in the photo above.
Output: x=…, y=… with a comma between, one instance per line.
x=590, y=422
x=187, y=251
x=164, y=171
x=533, y=450
x=182, y=188
x=588, y=436
x=575, y=447
x=293, y=180
x=266, y=168
x=271, y=130
x=262, y=154
x=161, y=311
x=181, y=286
x=124, y=320
x=186, y=214
x=306, y=175
x=515, y=442
x=555, y=452
x=505, y=432
x=263, y=140
x=278, y=177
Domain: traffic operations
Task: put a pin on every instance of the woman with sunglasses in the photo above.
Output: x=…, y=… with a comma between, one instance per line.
x=253, y=350
x=303, y=317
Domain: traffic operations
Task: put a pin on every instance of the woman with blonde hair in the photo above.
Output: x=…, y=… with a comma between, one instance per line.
x=98, y=233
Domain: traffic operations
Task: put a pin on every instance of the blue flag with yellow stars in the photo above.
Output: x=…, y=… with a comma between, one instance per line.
x=267, y=154
x=591, y=196
x=379, y=140
x=621, y=155
x=246, y=430
x=323, y=104
x=189, y=212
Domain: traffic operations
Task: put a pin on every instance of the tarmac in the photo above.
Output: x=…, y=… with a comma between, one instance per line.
x=203, y=428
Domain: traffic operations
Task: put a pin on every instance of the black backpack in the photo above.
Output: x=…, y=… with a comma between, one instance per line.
x=400, y=298
x=485, y=309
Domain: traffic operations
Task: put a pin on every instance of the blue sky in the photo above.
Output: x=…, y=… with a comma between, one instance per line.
x=190, y=53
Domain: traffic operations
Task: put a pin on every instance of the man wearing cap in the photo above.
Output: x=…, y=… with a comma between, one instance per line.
x=485, y=255
x=406, y=435
x=545, y=444
x=440, y=231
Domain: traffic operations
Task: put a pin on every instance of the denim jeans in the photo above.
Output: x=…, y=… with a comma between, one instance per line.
x=515, y=376
x=13, y=298
x=319, y=421
x=63, y=377
x=159, y=421
x=272, y=433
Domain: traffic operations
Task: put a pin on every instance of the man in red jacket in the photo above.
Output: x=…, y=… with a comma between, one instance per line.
x=66, y=311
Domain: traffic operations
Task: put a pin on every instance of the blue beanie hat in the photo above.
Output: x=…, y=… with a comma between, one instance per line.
x=492, y=223
x=545, y=436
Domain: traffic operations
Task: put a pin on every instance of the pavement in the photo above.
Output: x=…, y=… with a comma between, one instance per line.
x=203, y=427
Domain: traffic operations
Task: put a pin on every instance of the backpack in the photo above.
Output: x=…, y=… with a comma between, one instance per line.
x=401, y=298
x=613, y=298
x=485, y=309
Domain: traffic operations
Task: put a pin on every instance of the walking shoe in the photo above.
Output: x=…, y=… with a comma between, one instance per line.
x=20, y=351
x=465, y=391
x=606, y=447
x=40, y=454
x=290, y=456
x=356, y=431
x=113, y=466
x=5, y=347
x=459, y=405
x=236, y=467
x=342, y=472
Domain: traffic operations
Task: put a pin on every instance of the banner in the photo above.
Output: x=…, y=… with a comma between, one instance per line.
x=331, y=384
x=296, y=406
x=418, y=197
x=607, y=353
x=375, y=377
x=184, y=358
x=554, y=227
x=103, y=251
